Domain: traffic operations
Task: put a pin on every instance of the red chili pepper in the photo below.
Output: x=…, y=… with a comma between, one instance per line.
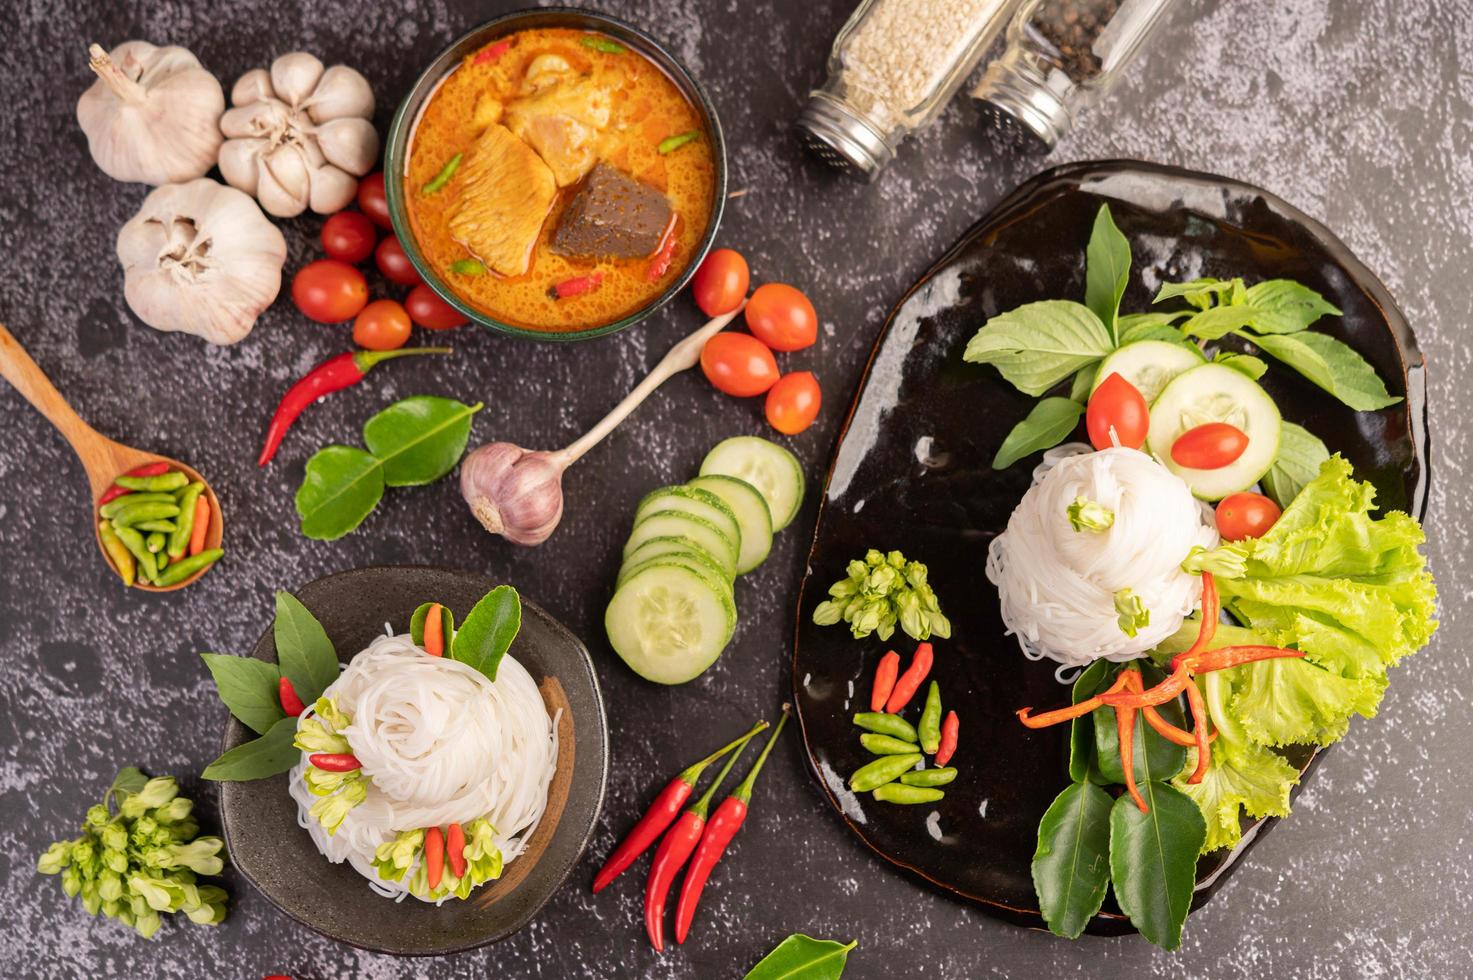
x=1225, y=657
x=112, y=493
x=1073, y=711
x=576, y=286
x=335, y=761
x=1169, y=731
x=1211, y=613
x=290, y=703
x=675, y=848
x=492, y=53
x=910, y=681
x=665, y=253
x=950, y=729
x=1125, y=732
x=455, y=849
x=333, y=374
x=434, y=857
x=661, y=814
x=158, y=468
x=435, y=631
x=1199, y=729
x=885, y=675
x=724, y=824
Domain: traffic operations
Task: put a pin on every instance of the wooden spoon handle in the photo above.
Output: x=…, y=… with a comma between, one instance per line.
x=682, y=356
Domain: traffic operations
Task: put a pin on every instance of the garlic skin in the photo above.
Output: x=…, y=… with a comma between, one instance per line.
x=153, y=114
x=299, y=135
x=201, y=257
x=513, y=492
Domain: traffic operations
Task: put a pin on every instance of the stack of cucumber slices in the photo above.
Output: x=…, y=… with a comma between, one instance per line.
x=674, y=608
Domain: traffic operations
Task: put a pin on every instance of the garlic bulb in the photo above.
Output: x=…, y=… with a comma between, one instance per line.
x=202, y=258
x=299, y=136
x=513, y=492
x=153, y=115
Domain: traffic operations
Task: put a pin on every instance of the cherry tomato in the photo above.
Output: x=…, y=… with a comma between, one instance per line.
x=383, y=325
x=721, y=282
x=738, y=364
x=1209, y=447
x=349, y=236
x=1246, y=515
x=781, y=317
x=372, y=201
x=1117, y=404
x=329, y=290
x=394, y=264
x=793, y=403
x=430, y=311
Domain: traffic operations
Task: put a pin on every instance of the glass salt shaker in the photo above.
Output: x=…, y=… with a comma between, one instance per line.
x=1061, y=57
x=894, y=66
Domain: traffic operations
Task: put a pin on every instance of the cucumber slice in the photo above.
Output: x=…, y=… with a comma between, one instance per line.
x=688, y=500
x=1149, y=365
x=775, y=472
x=671, y=545
x=669, y=623
x=699, y=563
x=1216, y=393
x=751, y=511
x=674, y=523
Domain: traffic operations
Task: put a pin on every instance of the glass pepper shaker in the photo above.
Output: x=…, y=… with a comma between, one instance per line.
x=893, y=67
x=1062, y=56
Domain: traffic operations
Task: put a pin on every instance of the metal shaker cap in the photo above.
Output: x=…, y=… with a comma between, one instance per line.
x=842, y=137
x=1028, y=97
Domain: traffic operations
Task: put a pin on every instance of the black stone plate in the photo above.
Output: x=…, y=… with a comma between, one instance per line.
x=912, y=471
x=277, y=856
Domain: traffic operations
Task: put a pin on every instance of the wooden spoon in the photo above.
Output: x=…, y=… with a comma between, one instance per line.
x=102, y=458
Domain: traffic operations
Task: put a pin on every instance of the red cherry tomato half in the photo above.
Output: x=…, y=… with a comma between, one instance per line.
x=793, y=403
x=1117, y=404
x=329, y=291
x=781, y=317
x=1209, y=447
x=738, y=364
x=394, y=264
x=1246, y=515
x=721, y=282
x=348, y=236
x=430, y=311
x=372, y=201
x=383, y=325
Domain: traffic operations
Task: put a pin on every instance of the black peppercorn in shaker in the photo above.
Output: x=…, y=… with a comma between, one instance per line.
x=1062, y=56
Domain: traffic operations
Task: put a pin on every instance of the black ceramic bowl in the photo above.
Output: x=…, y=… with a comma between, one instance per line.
x=276, y=855
x=401, y=134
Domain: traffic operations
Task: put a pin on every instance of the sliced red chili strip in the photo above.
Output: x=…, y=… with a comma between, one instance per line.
x=576, y=286
x=1073, y=711
x=1199, y=728
x=490, y=54
x=1170, y=732
x=660, y=261
x=1125, y=733
x=1224, y=657
x=1211, y=613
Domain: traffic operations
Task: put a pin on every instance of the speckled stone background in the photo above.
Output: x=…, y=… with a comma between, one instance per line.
x=1357, y=112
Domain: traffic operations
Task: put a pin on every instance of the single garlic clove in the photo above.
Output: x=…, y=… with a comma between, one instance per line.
x=350, y=143
x=332, y=189
x=253, y=86
x=284, y=183
x=293, y=76
x=240, y=162
x=341, y=92
x=259, y=119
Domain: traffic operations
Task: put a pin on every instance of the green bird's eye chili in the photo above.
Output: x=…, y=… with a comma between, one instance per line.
x=672, y=143
x=171, y=480
x=929, y=777
x=602, y=44
x=883, y=770
x=901, y=793
x=930, y=726
x=154, y=542
x=333, y=374
x=115, y=507
x=467, y=267
x=180, y=570
x=123, y=560
x=138, y=513
x=885, y=745
x=148, y=566
x=443, y=177
x=179, y=537
x=883, y=724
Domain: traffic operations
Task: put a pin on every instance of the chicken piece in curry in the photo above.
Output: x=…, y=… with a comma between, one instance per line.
x=557, y=184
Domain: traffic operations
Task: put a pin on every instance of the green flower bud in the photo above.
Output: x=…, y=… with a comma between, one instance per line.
x=320, y=782
x=97, y=816
x=394, y=857
x=896, y=560
x=156, y=792
x=71, y=881
x=116, y=860
x=1227, y=562
x=915, y=575
x=110, y=885
x=125, y=916
x=110, y=907
x=91, y=899
x=314, y=736
x=147, y=924
x=199, y=855
x=873, y=558
x=114, y=837
x=827, y=613
x=57, y=856
x=1134, y=616
x=327, y=710
x=330, y=811
x=174, y=811
x=154, y=891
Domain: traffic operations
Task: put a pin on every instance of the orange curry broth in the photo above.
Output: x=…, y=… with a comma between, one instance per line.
x=646, y=108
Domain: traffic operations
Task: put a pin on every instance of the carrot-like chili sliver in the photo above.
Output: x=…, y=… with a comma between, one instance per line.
x=1125, y=733
x=885, y=674
x=1224, y=657
x=435, y=631
x=1211, y=613
x=201, y=524
x=1060, y=715
x=1199, y=728
x=576, y=286
x=488, y=55
x=910, y=681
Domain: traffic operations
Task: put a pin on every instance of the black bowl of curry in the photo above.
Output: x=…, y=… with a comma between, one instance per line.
x=556, y=174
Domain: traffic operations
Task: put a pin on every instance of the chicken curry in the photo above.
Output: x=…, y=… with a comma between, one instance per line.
x=558, y=180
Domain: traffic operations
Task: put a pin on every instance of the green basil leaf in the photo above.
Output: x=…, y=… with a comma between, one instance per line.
x=801, y=957
x=1046, y=426
x=1071, y=867
x=1199, y=292
x=420, y=439
x=303, y=651
x=1217, y=322
x=1154, y=757
x=1040, y=344
x=417, y=623
x=1150, y=326
x=1106, y=269
x=1084, y=380
x=341, y=487
x=1300, y=455
x=1090, y=682
x=1252, y=366
x=248, y=687
x=1330, y=364
x=266, y=756
x=488, y=630
x=1153, y=860
x=1286, y=306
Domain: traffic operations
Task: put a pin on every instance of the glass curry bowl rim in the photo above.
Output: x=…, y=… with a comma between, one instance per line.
x=412, y=107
